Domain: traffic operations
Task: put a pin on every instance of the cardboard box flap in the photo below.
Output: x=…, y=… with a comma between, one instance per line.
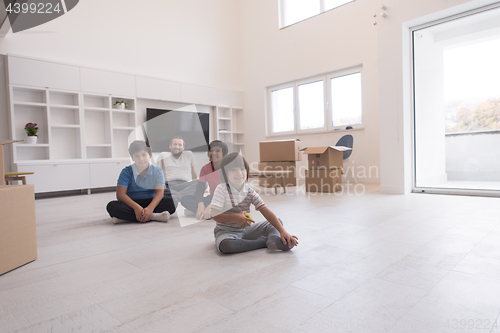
x=313, y=150
x=321, y=150
x=284, y=140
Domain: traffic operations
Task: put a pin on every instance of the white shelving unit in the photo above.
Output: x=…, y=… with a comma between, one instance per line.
x=230, y=126
x=81, y=136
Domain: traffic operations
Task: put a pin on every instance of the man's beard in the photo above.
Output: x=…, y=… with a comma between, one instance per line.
x=177, y=155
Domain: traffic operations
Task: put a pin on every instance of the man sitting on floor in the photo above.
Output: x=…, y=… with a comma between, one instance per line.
x=178, y=169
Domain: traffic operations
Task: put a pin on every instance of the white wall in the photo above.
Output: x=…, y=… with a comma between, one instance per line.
x=337, y=39
x=188, y=41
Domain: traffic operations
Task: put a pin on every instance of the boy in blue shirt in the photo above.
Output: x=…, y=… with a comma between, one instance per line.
x=140, y=190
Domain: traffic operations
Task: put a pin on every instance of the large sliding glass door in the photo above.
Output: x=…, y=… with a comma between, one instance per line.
x=457, y=104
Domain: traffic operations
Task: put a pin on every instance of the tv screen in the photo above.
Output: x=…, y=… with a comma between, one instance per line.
x=162, y=125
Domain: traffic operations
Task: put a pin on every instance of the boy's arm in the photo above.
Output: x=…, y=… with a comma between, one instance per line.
x=285, y=236
x=148, y=211
x=239, y=218
x=121, y=195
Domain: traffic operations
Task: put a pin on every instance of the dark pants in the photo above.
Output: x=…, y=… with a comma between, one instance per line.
x=189, y=201
x=180, y=189
x=123, y=211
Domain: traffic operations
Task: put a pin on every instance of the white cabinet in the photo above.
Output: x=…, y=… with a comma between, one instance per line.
x=105, y=174
x=57, y=177
x=43, y=74
x=158, y=89
x=104, y=82
x=194, y=94
x=230, y=126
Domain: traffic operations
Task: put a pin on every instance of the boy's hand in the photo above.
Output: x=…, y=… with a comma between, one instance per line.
x=146, y=215
x=242, y=220
x=139, y=212
x=207, y=213
x=200, y=210
x=288, y=239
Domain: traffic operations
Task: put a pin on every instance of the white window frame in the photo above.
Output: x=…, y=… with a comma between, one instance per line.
x=321, y=11
x=270, y=106
x=297, y=107
x=327, y=103
x=340, y=73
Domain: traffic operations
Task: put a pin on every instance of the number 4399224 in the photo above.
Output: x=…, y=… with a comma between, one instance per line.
x=38, y=8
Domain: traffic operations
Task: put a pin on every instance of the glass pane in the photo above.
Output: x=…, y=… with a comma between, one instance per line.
x=346, y=99
x=457, y=103
x=298, y=10
x=330, y=4
x=311, y=105
x=471, y=92
x=282, y=110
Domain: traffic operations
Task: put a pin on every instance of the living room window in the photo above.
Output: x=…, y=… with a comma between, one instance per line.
x=293, y=11
x=322, y=103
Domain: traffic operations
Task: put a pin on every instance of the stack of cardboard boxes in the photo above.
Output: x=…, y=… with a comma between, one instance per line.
x=325, y=165
x=279, y=156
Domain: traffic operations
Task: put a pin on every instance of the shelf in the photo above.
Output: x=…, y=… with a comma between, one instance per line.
x=74, y=127
x=30, y=104
x=65, y=143
x=98, y=152
x=61, y=106
x=64, y=116
x=96, y=101
x=98, y=146
x=124, y=128
x=63, y=98
x=27, y=95
x=96, y=109
x=120, y=143
x=32, y=113
x=65, y=126
x=124, y=111
x=32, y=152
x=130, y=103
x=32, y=145
x=97, y=128
x=123, y=119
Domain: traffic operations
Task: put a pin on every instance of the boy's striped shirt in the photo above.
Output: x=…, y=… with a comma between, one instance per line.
x=241, y=201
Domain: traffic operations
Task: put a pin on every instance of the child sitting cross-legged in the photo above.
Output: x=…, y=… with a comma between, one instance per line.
x=140, y=190
x=236, y=232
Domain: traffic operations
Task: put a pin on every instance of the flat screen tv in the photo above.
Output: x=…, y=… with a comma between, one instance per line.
x=162, y=125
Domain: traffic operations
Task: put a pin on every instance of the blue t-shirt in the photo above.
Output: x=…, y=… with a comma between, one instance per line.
x=140, y=187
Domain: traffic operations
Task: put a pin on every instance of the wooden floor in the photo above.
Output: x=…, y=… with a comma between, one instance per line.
x=366, y=262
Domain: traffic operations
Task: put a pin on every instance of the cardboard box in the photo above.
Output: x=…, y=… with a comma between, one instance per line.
x=290, y=180
x=17, y=226
x=280, y=151
x=325, y=157
x=324, y=180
